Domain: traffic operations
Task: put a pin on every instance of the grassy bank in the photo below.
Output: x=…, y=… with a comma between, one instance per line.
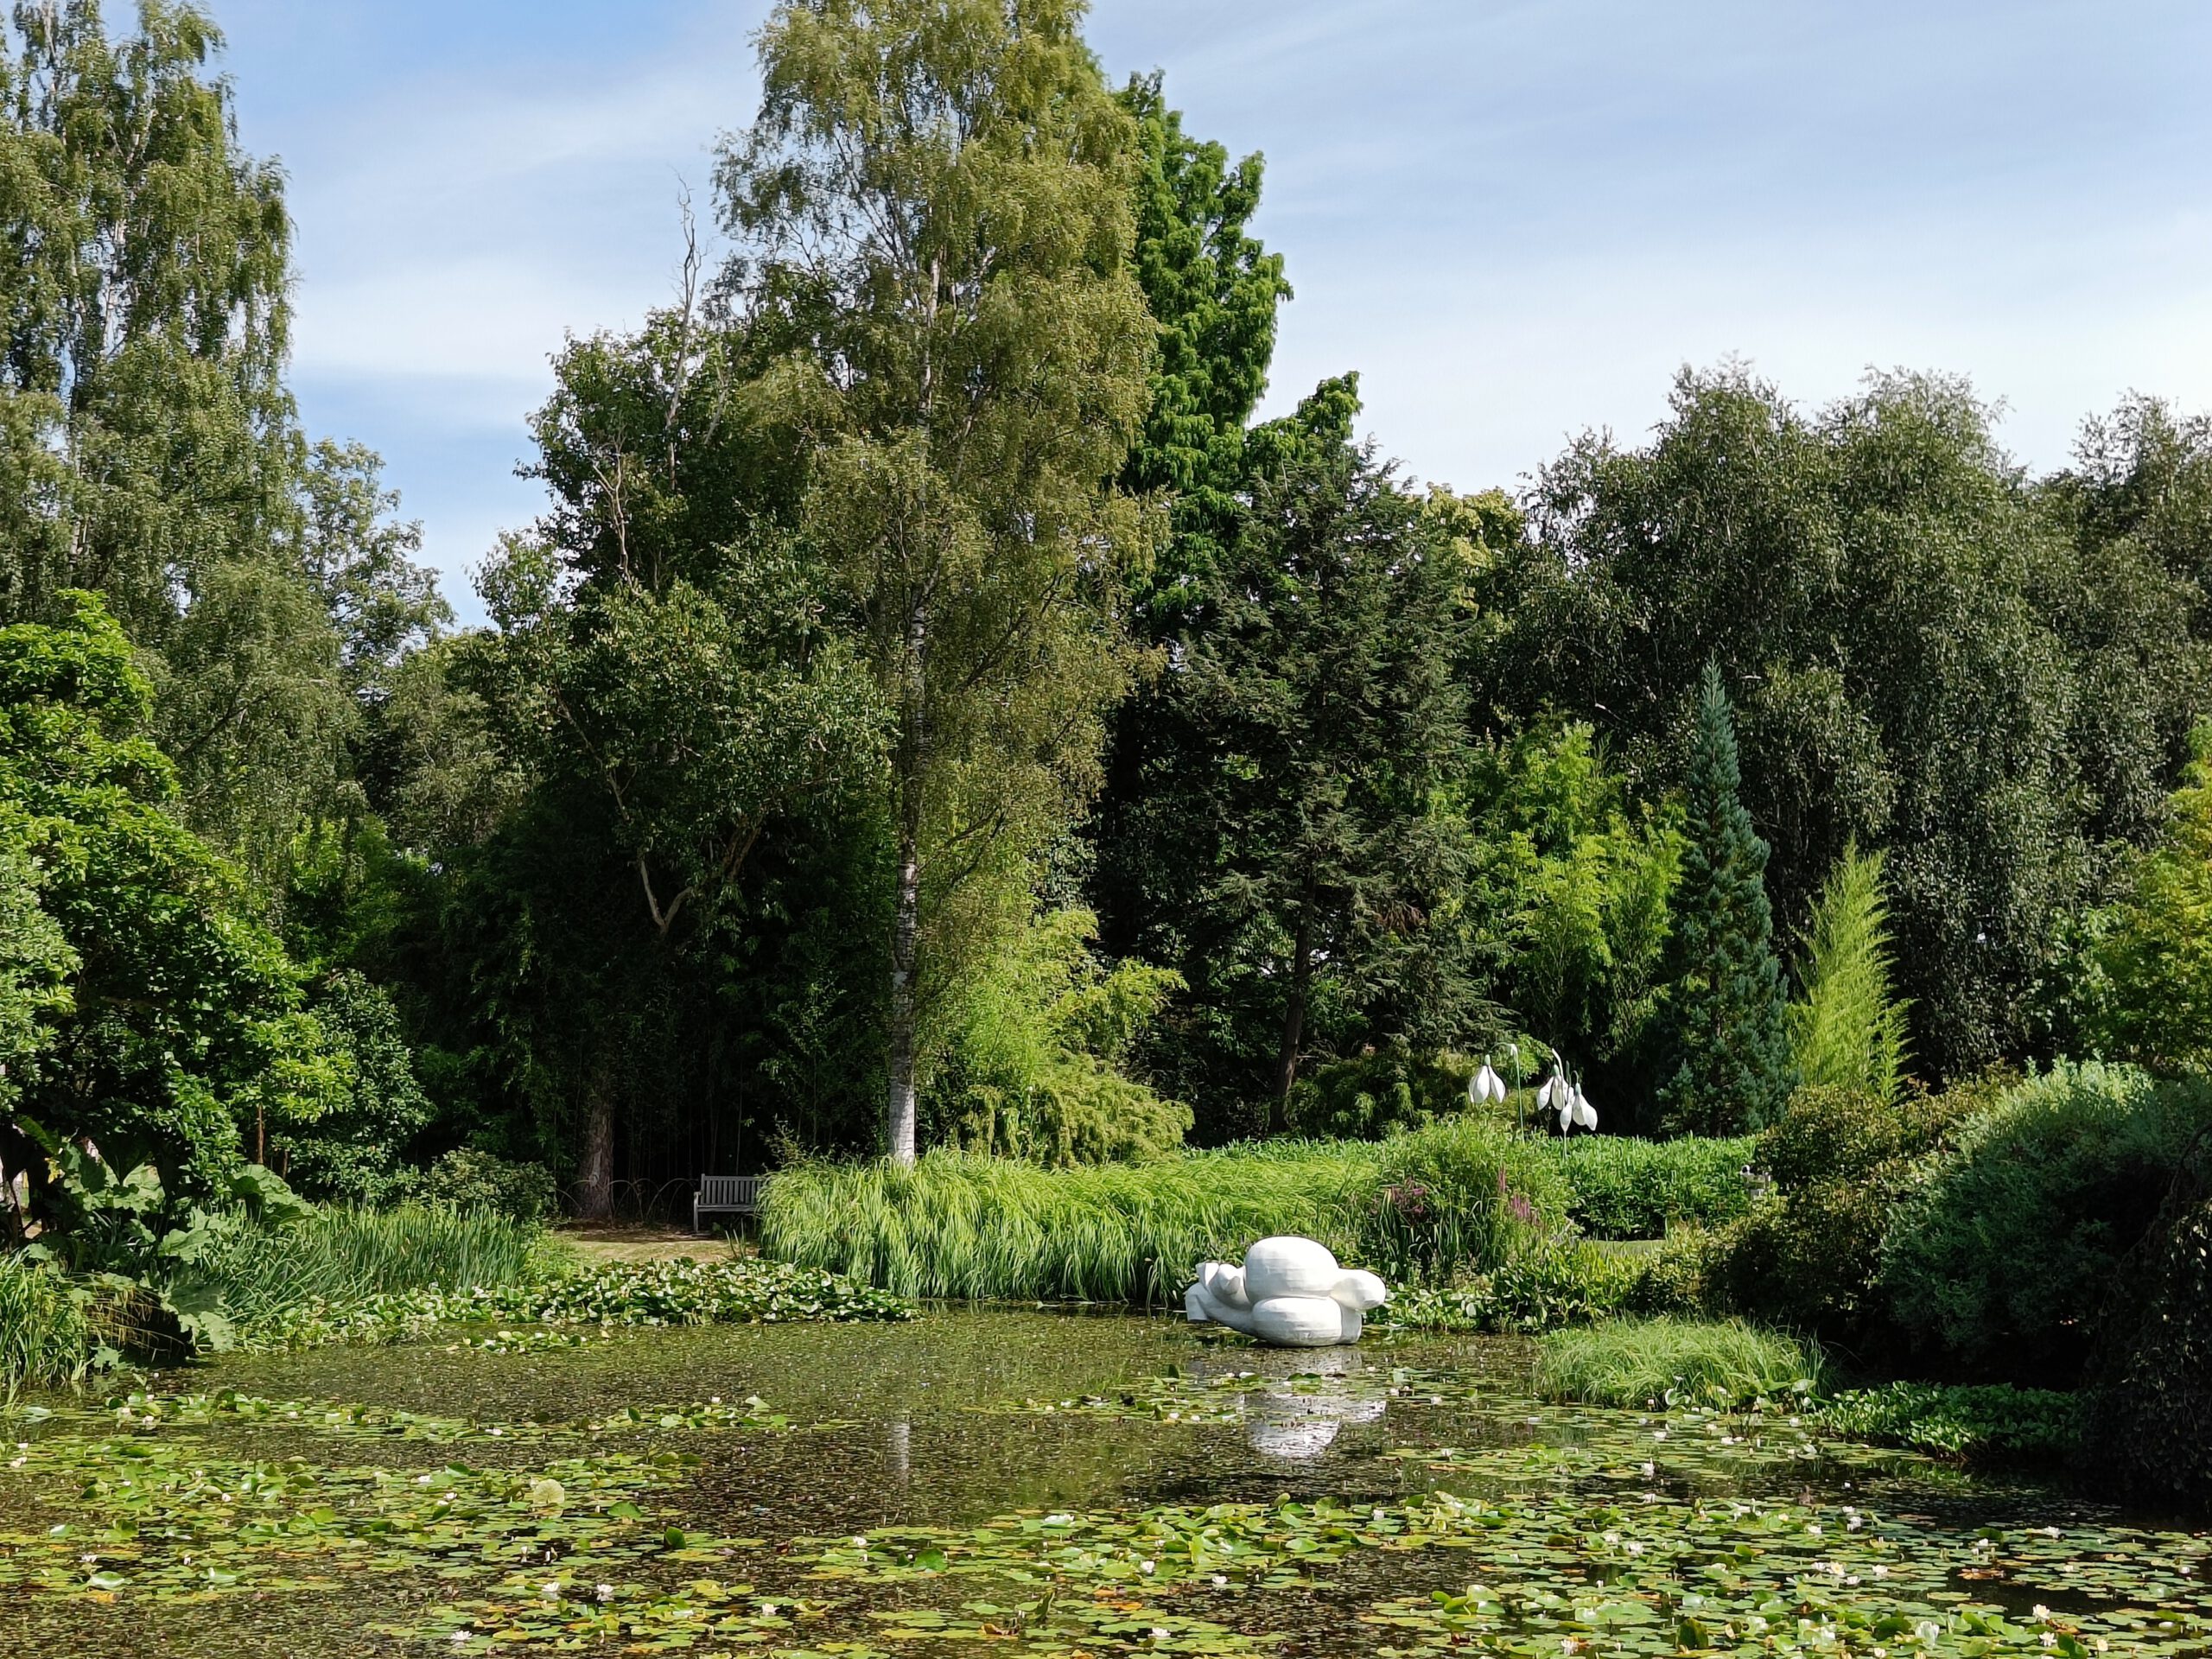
x=1458, y=1194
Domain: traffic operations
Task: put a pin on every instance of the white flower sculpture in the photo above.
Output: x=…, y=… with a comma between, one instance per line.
x=1289, y=1293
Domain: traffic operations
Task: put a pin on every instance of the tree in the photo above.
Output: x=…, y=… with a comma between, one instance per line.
x=1734, y=1072
x=151, y=451
x=1981, y=678
x=933, y=212
x=183, y=1021
x=1213, y=291
x=2154, y=1001
x=1315, y=673
x=667, y=681
x=1564, y=905
x=1849, y=1031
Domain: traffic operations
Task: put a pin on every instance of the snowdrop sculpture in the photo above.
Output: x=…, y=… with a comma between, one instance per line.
x=1574, y=1109
x=1289, y=1293
x=1486, y=1086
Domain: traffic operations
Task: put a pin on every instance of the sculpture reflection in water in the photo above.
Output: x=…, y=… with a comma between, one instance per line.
x=1289, y=1293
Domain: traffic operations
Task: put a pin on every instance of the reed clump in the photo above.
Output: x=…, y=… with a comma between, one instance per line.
x=1455, y=1196
x=1652, y=1363
x=258, y=1274
x=46, y=1330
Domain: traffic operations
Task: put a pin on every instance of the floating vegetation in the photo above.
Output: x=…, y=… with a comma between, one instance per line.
x=1230, y=1397
x=148, y=1413
x=1528, y=1529
x=735, y=1290
x=1992, y=1421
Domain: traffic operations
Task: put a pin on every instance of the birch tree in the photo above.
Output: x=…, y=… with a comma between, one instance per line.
x=932, y=219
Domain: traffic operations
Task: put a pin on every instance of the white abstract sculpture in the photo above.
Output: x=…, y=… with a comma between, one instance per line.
x=1289, y=1293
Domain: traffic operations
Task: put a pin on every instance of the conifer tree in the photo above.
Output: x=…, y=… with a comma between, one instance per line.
x=1731, y=1014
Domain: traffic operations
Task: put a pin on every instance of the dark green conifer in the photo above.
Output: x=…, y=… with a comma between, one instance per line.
x=1734, y=1070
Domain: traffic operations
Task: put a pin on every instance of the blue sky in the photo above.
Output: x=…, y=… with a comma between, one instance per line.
x=1516, y=220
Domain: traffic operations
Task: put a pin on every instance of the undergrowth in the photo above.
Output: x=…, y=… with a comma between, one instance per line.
x=258, y=1276
x=1623, y=1187
x=731, y=1291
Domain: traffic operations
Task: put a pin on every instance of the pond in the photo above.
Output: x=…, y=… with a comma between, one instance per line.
x=1016, y=1482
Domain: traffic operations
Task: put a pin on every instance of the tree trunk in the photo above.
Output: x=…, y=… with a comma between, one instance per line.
x=1294, y=1017
x=595, y=1173
x=899, y=1125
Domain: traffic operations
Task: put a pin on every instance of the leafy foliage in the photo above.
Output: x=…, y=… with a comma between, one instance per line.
x=2007, y=1253
x=2154, y=1001
x=1625, y=1188
x=1980, y=678
x=1035, y=1067
x=1990, y=1422
x=1565, y=909
x=2151, y=1374
x=1809, y=1256
x=183, y=1015
x=1849, y=1032
x=1297, y=854
x=467, y=1180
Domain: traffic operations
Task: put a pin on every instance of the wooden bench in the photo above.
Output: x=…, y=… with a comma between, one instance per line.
x=728, y=1195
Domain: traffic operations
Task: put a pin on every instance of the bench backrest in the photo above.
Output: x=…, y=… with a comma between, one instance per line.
x=730, y=1192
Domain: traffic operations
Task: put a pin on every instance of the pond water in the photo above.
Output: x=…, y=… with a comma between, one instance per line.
x=1017, y=1483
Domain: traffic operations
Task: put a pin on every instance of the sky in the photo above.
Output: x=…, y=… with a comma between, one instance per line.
x=1518, y=220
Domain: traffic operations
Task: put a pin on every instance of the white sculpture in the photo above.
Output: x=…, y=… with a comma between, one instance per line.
x=1289, y=1293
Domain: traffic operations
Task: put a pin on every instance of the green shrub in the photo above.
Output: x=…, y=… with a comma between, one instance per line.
x=1807, y=1255
x=468, y=1180
x=1657, y=1363
x=1621, y=1187
x=1385, y=1091
x=1994, y=1422
x=45, y=1336
x=1849, y=1032
x=1459, y=1196
x=2008, y=1250
x=353, y=1153
x=1549, y=1284
x=1035, y=1062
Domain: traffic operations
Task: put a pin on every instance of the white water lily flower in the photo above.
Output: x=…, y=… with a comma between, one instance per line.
x=605, y=1593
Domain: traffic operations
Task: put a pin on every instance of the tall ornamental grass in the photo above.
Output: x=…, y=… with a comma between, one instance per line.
x=1455, y=1195
x=46, y=1337
x=258, y=1274
x=1649, y=1363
